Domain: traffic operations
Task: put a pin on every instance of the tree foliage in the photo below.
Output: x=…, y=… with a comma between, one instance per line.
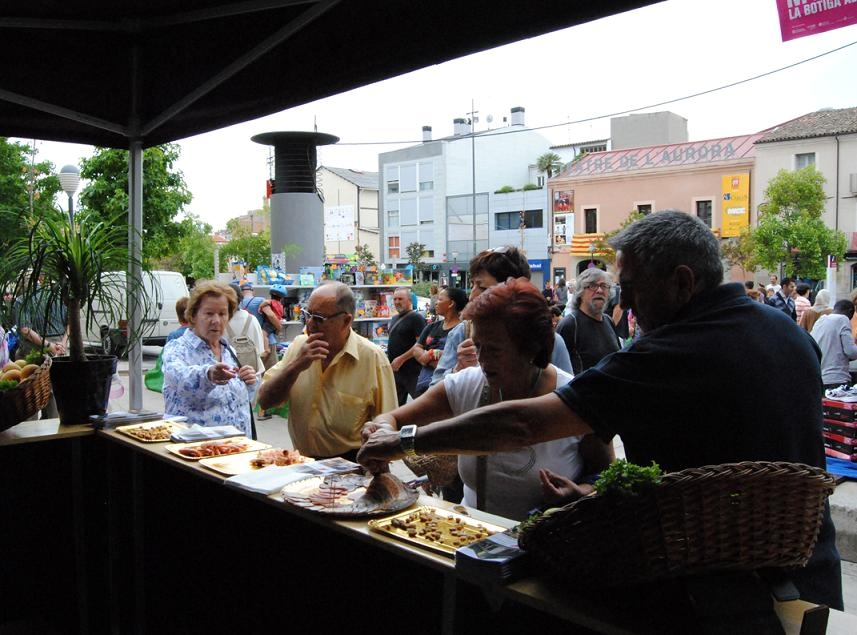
x=415, y=253
x=253, y=248
x=365, y=257
x=164, y=194
x=550, y=163
x=195, y=258
x=791, y=230
x=602, y=246
x=739, y=251
x=20, y=176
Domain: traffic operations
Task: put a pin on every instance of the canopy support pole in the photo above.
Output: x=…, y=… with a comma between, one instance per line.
x=135, y=272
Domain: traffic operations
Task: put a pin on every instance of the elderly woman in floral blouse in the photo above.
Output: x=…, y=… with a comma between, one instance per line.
x=202, y=377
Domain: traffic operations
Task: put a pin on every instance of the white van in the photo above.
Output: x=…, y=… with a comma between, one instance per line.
x=162, y=290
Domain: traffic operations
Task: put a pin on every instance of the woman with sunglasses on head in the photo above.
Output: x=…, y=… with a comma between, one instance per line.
x=488, y=268
x=514, y=337
x=203, y=379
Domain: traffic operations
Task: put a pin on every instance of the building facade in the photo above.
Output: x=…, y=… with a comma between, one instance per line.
x=350, y=210
x=594, y=195
x=826, y=139
x=441, y=193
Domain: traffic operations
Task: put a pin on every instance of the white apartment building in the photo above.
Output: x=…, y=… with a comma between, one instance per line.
x=442, y=193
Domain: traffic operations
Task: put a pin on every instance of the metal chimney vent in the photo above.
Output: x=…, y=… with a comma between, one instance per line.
x=294, y=159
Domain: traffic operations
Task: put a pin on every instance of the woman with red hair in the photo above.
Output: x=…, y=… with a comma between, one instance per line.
x=514, y=337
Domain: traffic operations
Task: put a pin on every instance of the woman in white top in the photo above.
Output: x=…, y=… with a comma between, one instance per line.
x=513, y=333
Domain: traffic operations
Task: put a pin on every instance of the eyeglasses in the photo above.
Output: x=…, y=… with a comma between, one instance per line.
x=306, y=316
x=598, y=285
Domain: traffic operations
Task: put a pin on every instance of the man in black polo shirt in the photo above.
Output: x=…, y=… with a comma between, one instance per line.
x=405, y=328
x=696, y=389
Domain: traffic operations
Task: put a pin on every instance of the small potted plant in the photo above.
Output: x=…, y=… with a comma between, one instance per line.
x=59, y=267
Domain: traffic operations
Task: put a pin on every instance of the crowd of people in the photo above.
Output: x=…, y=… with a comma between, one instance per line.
x=527, y=387
x=691, y=388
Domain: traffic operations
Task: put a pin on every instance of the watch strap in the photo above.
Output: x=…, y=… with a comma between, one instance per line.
x=407, y=438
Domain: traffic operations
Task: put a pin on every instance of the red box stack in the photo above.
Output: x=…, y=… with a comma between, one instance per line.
x=840, y=429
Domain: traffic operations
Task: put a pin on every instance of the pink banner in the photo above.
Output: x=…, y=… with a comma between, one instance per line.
x=799, y=18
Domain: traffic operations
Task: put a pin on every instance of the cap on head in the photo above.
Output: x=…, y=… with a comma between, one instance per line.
x=246, y=286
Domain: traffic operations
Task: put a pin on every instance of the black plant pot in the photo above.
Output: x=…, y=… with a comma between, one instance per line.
x=82, y=389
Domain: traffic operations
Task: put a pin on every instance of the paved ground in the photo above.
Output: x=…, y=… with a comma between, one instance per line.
x=275, y=432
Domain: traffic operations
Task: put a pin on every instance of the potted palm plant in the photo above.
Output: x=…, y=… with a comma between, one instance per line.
x=59, y=267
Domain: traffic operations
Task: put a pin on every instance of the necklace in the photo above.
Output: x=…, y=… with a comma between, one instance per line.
x=532, y=386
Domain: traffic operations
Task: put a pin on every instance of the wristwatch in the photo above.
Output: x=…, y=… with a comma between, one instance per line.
x=407, y=437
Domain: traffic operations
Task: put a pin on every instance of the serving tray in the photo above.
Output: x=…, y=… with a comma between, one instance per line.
x=343, y=496
x=435, y=529
x=137, y=431
x=232, y=464
x=248, y=446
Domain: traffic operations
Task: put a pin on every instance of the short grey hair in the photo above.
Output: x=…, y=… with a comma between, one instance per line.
x=585, y=278
x=662, y=241
x=344, y=296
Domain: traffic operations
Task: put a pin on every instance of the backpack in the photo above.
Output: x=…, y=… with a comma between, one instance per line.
x=573, y=353
x=243, y=347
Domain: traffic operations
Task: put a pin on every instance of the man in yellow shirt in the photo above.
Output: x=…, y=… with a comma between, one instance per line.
x=334, y=379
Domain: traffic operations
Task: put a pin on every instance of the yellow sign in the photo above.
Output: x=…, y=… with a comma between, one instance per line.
x=735, y=204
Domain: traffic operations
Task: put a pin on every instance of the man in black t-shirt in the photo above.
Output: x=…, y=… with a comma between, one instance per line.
x=702, y=386
x=588, y=331
x=405, y=328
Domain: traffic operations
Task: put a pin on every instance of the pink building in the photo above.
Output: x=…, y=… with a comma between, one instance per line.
x=596, y=193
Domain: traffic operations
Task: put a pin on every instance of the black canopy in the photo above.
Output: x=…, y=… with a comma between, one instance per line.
x=105, y=72
x=135, y=73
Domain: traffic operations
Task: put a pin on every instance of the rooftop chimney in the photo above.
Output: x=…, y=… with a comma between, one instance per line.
x=426, y=133
x=517, y=116
x=459, y=126
x=297, y=211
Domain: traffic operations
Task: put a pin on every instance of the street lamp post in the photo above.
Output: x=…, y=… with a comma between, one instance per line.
x=69, y=180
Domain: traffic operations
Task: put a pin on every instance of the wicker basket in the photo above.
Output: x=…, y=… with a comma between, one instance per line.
x=27, y=398
x=730, y=517
x=441, y=469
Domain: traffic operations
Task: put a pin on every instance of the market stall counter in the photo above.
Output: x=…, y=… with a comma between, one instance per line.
x=238, y=561
x=109, y=534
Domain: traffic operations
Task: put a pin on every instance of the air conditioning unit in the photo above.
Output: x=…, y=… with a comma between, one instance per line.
x=853, y=183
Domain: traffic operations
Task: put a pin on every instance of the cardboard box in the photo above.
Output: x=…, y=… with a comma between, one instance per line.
x=839, y=450
x=849, y=441
x=840, y=428
x=839, y=410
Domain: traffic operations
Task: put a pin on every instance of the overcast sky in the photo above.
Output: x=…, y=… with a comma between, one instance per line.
x=586, y=74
